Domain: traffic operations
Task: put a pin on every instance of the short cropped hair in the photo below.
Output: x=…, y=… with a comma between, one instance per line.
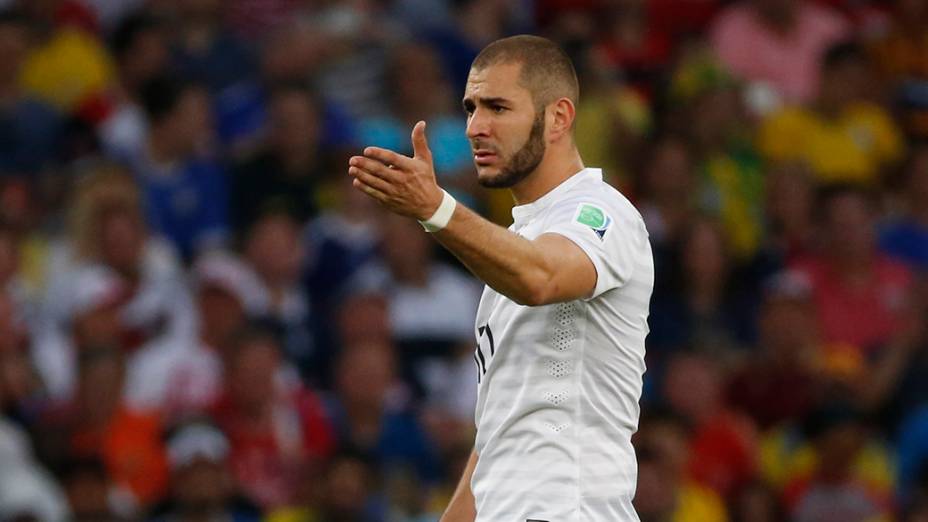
x=547, y=71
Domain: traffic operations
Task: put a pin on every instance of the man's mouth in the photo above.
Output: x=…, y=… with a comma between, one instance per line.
x=484, y=156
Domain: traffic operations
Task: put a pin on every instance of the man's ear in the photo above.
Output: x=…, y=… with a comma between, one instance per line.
x=562, y=113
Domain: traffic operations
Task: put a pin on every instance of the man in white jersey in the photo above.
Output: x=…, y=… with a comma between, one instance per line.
x=561, y=325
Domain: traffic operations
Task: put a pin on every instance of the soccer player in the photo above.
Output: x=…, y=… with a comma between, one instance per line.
x=561, y=324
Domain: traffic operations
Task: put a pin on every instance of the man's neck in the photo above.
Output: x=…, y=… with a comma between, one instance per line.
x=555, y=168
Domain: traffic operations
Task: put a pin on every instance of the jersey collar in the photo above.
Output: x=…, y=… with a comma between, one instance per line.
x=523, y=213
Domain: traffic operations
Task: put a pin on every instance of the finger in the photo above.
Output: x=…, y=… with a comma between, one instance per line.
x=376, y=168
x=388, y=157
x=420, y=144
x=370, y=180
x=369, y=190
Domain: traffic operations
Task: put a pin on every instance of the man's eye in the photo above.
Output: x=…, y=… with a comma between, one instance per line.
x=498, y=109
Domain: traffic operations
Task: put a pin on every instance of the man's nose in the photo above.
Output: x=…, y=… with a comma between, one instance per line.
x=478, y=125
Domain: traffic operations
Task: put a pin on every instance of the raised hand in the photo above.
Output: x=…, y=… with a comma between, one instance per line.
x=404, y=185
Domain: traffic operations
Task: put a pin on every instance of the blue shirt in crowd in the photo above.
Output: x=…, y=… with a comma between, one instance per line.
x=186, y=203
x=907, y=241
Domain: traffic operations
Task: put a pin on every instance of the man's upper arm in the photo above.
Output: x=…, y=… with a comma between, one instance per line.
x=598, y=239
x=573, y=274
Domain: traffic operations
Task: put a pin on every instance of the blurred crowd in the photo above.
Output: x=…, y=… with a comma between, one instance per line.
x=201, y=320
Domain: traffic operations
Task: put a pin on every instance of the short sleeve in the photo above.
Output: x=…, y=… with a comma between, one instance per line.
x=612, y=240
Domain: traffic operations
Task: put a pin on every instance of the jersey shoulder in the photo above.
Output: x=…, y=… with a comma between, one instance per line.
x=594, y=203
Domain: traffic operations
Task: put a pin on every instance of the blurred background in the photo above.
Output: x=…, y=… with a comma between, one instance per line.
x=200, y=320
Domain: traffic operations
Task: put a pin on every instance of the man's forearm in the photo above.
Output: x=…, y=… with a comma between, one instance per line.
x=507, y=262
x=462, y=507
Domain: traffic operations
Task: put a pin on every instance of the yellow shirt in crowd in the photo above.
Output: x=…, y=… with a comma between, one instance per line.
x=698, y=504
x=850, y=148
x=67, y=69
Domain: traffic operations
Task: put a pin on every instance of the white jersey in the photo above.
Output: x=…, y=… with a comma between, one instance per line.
x=559, y=384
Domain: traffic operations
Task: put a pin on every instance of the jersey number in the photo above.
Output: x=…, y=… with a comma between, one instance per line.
x=479, y=356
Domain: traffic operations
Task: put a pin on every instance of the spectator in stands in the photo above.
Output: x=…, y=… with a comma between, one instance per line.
x=97, y=424
x=184, y=189
x=840, y=483
x=756, y=502
x=841, y=135
x=364, y=317
x=777, y=43
x=340, y=241
x=613, y=118
x=183, y=377
x=345, y=488
x=290, y=57
x=418, y=283
x=665, y=489
x=68, y=47
x=730, y=182
x=634, y=44
x=894, y=386
x=141, y=51
x=723, y=442
x=859, y=292
x=29, y=128
x=906, y=237
x=206, y=51
x=286, y=173
x=353, y=74
x=790, y=230
x=782, y=382
x=349, y=490
x=697, y=305
x=92, y=495
x=275, y=427
x=108, y=234
x=900, y=55
x=370, y=414
x=91, y=316
x=202, y=487
x=275, y=250
x=26, y=488
x=475, y=24
x=667, y=184
x=108, y=228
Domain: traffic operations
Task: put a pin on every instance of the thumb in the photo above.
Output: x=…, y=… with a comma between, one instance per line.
x=420, y=144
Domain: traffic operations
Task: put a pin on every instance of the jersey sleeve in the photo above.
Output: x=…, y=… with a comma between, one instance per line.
x=611, y=238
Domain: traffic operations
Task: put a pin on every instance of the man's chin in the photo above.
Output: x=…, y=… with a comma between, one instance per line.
x=498, y=180
x=486, y=175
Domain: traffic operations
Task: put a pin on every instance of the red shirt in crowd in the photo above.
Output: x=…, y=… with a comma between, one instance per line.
x=865, y=314
x=268, y=455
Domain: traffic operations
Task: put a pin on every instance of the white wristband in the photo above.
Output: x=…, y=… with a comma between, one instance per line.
x=442, y=216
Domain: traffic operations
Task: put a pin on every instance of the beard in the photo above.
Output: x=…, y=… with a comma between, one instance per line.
x=524, y=161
